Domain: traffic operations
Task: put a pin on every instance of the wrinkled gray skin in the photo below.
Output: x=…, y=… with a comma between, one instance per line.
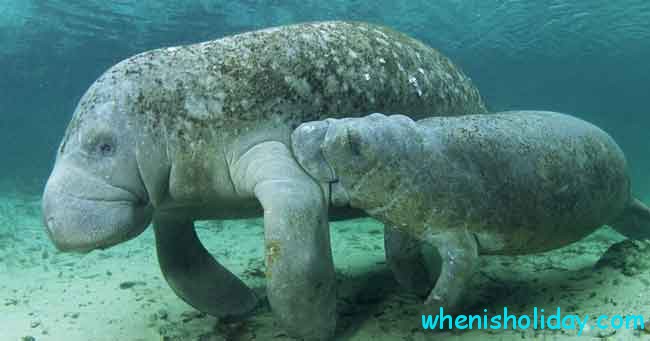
x=508, y=183
x=203, y=132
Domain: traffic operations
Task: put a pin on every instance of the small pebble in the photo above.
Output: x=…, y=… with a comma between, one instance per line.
x=71, y=315
x=130, y=284
x=35, y=324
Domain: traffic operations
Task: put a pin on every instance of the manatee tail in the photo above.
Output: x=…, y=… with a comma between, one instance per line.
x=634, y=222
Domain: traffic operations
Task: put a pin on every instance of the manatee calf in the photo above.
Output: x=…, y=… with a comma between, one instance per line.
x=509, y=183
x=203, y=132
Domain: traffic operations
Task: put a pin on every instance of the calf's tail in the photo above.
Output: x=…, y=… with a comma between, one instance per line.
x=634, y=222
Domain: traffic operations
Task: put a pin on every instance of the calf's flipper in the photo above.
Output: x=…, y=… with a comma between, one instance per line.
x=459, y=253
x=405, y=258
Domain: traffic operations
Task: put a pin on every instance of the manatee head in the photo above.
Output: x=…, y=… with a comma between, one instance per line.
x=360, y=157
x=355, y=146
x=95, y=196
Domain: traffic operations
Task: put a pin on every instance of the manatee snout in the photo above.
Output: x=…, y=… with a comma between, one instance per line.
x=81, y=214
x=76, y=224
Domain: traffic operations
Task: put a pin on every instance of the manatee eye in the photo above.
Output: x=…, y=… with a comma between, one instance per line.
x=102, y=145
x=106, y=149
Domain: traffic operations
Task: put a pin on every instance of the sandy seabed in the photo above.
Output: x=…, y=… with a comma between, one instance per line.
x=119, y=294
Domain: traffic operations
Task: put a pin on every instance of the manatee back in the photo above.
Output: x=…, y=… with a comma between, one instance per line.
x=283, y=76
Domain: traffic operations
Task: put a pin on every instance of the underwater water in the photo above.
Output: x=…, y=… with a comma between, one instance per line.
x=585, y=58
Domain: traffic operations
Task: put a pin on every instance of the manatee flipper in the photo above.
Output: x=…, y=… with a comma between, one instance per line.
x=406, y=259
x=301, y=284
x=459, y=253
x=634, y=222
x=195, y=276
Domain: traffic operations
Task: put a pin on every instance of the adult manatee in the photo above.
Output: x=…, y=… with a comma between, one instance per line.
x=202, y=131
x=507, y=183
